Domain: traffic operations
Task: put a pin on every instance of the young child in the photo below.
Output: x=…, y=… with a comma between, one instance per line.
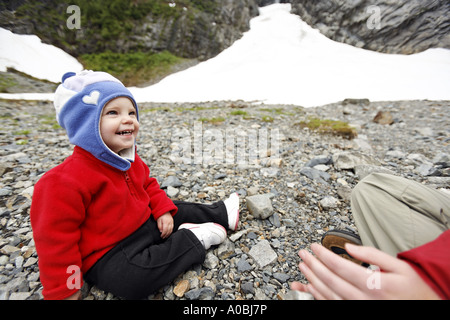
x=98, y=216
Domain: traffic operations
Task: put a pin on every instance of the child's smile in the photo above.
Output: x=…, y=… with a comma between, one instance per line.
x=118, y=125
x=125, y=133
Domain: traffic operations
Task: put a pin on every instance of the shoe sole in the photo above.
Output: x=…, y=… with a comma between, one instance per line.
x=336, y=240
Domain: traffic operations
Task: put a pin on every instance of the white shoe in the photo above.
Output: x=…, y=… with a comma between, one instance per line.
x=232, y=205
x=209, y=234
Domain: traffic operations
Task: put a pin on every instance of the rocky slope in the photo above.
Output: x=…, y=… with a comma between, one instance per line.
x=191, y=29
x=305, y=186
x=404, y=27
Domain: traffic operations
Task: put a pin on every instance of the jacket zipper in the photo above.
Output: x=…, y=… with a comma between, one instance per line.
x=130, y=184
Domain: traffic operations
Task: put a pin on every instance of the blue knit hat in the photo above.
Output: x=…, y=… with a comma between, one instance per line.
x=79, y=101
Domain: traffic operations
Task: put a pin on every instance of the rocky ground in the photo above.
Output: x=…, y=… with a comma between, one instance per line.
x=290, y=194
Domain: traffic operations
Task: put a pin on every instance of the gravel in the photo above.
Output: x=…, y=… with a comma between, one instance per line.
x=197, y=152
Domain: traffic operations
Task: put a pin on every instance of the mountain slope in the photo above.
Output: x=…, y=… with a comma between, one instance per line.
x=283, y=60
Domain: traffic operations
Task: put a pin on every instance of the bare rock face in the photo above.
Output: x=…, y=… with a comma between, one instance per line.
x=196, y=31
x=390, y=26
x=200, y=35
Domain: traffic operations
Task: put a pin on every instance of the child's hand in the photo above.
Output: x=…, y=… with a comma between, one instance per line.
x=165, y=224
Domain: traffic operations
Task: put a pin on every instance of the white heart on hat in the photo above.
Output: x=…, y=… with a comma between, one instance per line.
x=92, y=98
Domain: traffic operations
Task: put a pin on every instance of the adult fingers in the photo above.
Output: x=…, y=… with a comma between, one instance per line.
x=298, y=286
x=324, y=279
x=345, y=278
x=322, y=292
x=375, y=257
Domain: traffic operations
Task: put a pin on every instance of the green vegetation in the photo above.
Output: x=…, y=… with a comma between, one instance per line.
x=267, y=119
x=22, y=132
x=104, y=25
x=216, y=120
x=48, y=122
x=105, y=11
x=208, y=6
x=333, y=127
x=132, y=67
x=113, y=18
x=274, y=110
x=238, y=113
x=22, y=142
x=6, y=82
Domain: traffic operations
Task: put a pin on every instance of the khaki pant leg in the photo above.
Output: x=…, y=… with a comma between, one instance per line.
x=394, y=214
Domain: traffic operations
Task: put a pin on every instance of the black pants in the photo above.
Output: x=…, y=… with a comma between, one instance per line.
x=144, y=262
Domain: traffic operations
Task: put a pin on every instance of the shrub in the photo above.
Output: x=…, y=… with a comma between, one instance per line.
x=333, y=127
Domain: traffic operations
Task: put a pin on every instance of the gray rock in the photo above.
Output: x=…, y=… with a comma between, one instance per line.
x=260, y=206
x=172, y=192
x=171, y=181
x=363, y=170
x=289, y=222
x=329, y=202
x=349, y=160
x=211, y=261
x=319, y=160
x=235, y=236
x=428, y=170
x=442, y=159
x=19, y=261
x=282, y=277
x=263, y=254
x=247, y=287
x=243, y=265
x=4, y=260
x=19, y=295
x=225, y=249
x=5, y=192
x=344, y=192
x=8, y=249
x=205, y=293
x=316, y=175
x=427, y=132
x=396, y=154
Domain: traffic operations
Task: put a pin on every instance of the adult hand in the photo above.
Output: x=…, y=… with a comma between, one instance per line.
x=333, y=277
x=165, y=225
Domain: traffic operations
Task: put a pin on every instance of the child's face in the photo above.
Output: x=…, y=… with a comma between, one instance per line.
x=118, y=124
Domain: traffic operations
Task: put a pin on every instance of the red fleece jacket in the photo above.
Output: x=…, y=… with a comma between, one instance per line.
x=432, y=262
x=81, y=209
